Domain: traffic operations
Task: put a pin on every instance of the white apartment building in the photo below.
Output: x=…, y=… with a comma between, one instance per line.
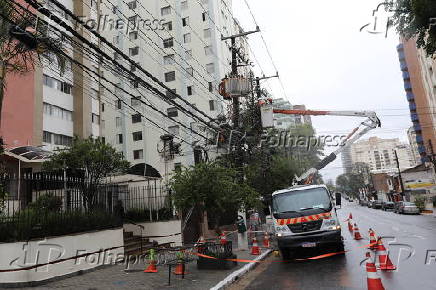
x=411, y=136
x=183, y=50
x=379, y=154
x=282, y=121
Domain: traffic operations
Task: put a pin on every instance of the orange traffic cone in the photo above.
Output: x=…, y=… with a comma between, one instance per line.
x=372, y=240
x=357, y=235
x=223, y=239
x=255, y=250
x=373, y=279
x=266, y=242
x=152, y=267
x=383, y=257
x=350, y=216
x=350, y=226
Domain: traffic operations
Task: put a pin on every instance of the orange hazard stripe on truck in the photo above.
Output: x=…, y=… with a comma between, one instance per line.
x=304, y=219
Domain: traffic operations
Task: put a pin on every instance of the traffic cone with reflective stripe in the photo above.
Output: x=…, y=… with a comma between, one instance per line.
x=223, y=239
x=266, y=242
x=373, y=279
x=372, y=240
x=350, y=217
x=357, y=235
x=152, y=267
x=383, y=257
x=255, y=250
x=350, y=226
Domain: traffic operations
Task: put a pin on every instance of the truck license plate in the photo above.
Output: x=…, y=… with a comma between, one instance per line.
x=309, y=245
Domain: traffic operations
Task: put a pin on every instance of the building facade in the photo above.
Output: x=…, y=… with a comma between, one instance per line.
x=411, y=135
x=420, y=85
x=379, y=154
x=282, y=121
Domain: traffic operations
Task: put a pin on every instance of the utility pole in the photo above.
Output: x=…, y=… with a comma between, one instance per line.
x=242, y=237
x=259, y=95
x=399, y=173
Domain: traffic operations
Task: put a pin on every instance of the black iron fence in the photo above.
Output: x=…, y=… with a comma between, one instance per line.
x=41, y=205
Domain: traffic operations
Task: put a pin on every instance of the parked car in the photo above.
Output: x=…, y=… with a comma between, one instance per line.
x=377, y=204
x=388, y=205
x=369, y=203
x=363, y=202
x=404, y=207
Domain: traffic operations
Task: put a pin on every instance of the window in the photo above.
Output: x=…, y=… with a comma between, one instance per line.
x=204, y=15
x=62, y=140
x=171, y=94
x=57, y=112
x=132, y=5
x=135, y=101
x=210, y=68
x=212, y=105
x=138, y=154
x=165, y=10
x=116, y=39
x=137, y=136
x=207, y=33
x=168, y=42
x=120, y=138
x=95, y=119
x=184, y=5
x=46, y=108
x=132, y=20
x=177, y=167
x=188, y=54
x=208, y=50
x=174, y=130
x=137, y=118
x=210, y=87
x=190, y=71
x=46, y=137
x=172, y=112
x=133, y=35
x=190, y=90
x=169, y=59
x=118, y=103
x=170, y=76
x=135, y=84
x=134, y=51
x=187, y=38
x=57, y=84
x=133, y=67
x=168, y=26
x=185, y=21
x=118, y=122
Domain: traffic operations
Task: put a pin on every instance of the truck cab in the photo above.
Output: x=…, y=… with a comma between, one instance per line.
x=305, y=217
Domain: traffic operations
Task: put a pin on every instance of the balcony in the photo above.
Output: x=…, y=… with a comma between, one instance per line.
x=410, y=96
x=417, y=127
x=407, y=86
x=403, y=66
x=401, y=55
x=406, y=75
x=400, y=47
x=414, y=117
x=421, y=149
x=419, y=139
x=412, y=106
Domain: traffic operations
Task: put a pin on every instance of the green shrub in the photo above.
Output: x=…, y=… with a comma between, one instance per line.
x=420, y=202
x=47, y=202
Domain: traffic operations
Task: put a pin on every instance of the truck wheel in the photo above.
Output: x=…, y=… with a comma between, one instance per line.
x=287, y=254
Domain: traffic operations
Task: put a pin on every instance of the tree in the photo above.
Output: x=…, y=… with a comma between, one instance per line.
x=93, y=160
x=354, y=180
x=212, y=187
x=417, y=18
x=21, y=46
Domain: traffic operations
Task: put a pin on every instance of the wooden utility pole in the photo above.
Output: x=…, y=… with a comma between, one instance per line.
x=399, y=173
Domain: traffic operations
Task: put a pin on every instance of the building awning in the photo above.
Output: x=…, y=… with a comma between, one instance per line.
x=143, y=169
x=29, y=154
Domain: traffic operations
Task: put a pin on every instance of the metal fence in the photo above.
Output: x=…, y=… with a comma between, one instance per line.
x=39, y=205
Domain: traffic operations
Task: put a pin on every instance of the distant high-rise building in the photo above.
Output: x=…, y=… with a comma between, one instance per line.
x=347, y=162
x=419, y=74
x=411, y=135
x=283, y=121
x=379, y=154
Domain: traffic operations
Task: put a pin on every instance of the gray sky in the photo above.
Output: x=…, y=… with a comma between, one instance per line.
x=327, y=64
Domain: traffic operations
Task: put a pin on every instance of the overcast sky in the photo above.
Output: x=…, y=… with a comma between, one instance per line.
x=325, y=62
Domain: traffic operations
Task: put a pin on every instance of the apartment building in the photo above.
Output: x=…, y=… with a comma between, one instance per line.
x=420, y=85
x=379, y=154
x=411, y=135
x=184, y=50
x=282, y=121
x=48, y=106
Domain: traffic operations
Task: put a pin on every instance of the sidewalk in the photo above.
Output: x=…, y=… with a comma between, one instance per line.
x=114, y=277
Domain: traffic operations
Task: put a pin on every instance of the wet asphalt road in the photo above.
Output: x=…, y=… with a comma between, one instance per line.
x=414, y=234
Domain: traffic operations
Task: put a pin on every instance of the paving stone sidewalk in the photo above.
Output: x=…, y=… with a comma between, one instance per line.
x=114, y=277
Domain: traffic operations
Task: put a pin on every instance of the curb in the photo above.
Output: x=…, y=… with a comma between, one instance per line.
x=236, y=275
